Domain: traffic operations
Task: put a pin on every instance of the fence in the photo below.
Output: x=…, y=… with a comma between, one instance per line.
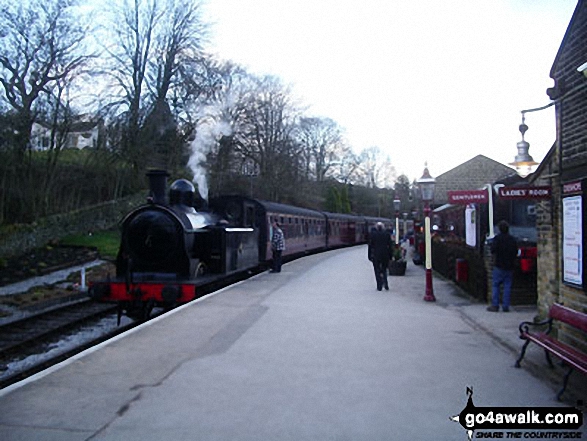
x=20, y=238
x=472, y=274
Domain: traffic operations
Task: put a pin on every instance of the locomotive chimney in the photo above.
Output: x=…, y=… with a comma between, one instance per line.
x=157, y=186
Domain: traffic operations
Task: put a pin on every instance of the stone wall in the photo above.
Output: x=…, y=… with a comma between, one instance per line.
x=548, y=224
x=572, y=135
x=20, y=238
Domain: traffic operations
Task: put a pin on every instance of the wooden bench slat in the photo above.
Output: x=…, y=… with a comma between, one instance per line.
x=561, y=350
x=569, y=316
x=575, y=358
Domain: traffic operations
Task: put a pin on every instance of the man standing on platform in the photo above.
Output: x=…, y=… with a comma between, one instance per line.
x=380, y=251
x=505, y=250
x=277, y=247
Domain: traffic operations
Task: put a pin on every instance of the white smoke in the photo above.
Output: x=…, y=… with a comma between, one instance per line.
x=210, y=129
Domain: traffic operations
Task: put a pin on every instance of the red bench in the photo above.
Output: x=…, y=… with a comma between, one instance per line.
x=575, y=359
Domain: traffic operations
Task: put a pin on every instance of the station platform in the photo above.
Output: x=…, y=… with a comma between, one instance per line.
x=312, y=353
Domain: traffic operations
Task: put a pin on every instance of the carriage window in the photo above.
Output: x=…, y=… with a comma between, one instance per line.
x=250, y=217
x=233, y=213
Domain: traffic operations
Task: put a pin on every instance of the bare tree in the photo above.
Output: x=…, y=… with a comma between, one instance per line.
x=154, y=43
x=321, y=145
x=264, y=134
x=130, y=33
x=376, y=170
x=41, y=52
x=179, y=37
x=42, y=45
x=347, y=167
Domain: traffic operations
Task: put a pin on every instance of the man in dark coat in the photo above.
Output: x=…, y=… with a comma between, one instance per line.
x=380, y=251
x=505, y=250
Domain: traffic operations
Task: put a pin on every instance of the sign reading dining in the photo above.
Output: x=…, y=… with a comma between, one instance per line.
x=525, y=192
x=468, y=197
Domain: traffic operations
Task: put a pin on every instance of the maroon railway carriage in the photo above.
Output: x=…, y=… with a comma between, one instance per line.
x=304, y=229
x=344, y=229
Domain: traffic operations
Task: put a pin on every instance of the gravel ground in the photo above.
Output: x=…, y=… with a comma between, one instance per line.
x=47, y=276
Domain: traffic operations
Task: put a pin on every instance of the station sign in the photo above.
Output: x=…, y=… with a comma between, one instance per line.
x=574, y=251
x=572, y=188
x=468, y=197
x=543, y=192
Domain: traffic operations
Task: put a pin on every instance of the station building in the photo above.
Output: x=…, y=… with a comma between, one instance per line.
x=562, y=221
x=552, y=229
x=463, y=228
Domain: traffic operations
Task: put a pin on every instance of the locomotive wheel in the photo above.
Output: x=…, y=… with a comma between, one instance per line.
x=140, y=311
x=201, y=269
x=119, y=313
x=147, y=309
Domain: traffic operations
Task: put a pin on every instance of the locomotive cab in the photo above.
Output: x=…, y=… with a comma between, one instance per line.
x=234, y=241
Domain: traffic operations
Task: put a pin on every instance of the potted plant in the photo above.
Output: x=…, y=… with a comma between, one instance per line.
x=398, y=263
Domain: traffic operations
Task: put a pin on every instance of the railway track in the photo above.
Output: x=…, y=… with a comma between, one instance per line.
x=35, y=328
x=31, y=344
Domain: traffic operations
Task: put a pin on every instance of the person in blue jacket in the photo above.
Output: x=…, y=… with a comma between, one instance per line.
x=504, y=248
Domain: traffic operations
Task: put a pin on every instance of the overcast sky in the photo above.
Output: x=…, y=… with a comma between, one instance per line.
x=424, y=80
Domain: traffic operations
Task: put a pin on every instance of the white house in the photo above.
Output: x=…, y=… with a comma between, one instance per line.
x=82, y=134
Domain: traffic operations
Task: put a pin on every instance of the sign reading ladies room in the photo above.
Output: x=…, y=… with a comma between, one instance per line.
x=525, y=192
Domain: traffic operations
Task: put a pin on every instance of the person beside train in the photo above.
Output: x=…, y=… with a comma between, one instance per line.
x=504, y=248
x=380, y=251
x=277, y=246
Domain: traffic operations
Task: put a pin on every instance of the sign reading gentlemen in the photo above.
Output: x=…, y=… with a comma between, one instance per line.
x=468, y=197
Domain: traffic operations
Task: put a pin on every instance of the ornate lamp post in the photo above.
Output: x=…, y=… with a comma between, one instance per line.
x=396, y=205
x=426, y=184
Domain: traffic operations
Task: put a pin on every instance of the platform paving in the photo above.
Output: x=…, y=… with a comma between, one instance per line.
x=312, y=353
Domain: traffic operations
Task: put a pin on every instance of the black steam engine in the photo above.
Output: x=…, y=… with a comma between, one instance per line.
x=166, y=245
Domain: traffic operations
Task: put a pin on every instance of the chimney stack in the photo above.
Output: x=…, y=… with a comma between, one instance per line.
x=158, y=186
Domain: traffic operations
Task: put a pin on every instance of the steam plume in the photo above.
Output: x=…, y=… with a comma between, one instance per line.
x=209, y=131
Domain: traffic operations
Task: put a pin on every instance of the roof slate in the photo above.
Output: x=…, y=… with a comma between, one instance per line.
x=470, y=175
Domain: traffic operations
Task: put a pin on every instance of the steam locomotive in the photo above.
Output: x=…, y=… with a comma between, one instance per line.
x=169, y=249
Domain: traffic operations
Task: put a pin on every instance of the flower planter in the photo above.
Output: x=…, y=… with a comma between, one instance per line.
x=397, y=267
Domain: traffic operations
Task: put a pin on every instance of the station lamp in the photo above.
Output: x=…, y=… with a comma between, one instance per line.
x=523, y=161
x=396, y=206
x=427, y=184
